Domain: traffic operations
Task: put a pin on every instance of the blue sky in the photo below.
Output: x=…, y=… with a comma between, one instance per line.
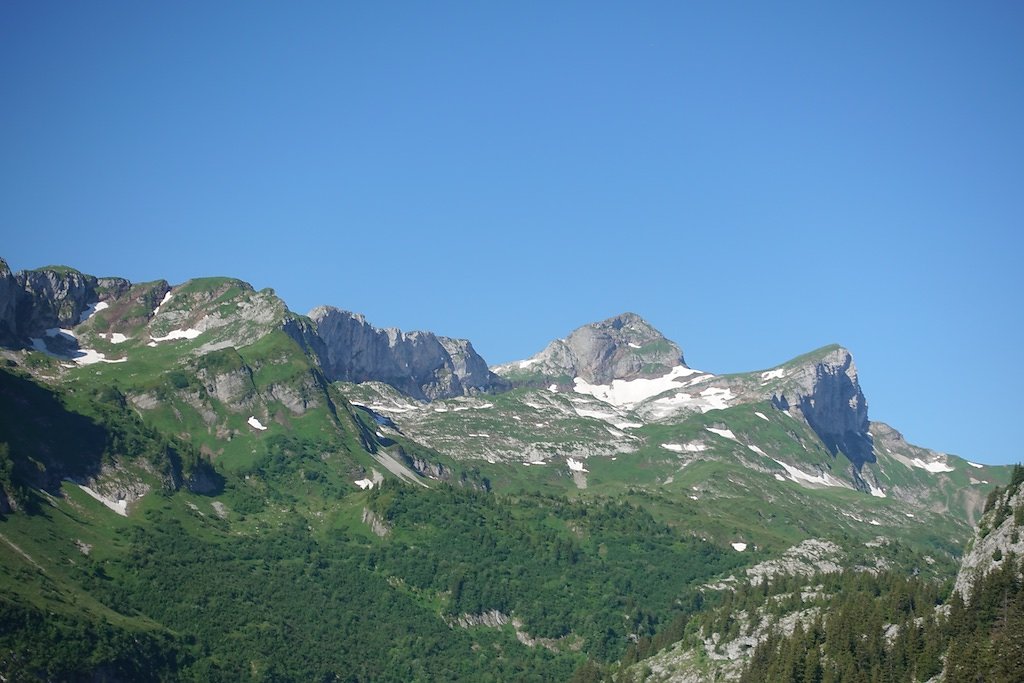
x=756, y=181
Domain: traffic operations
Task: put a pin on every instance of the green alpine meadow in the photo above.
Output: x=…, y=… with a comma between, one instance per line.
x=199, y=484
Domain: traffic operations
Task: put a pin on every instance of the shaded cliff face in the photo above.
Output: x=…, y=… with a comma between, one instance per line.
x=420, y=364
x=825, y=390
x=623, y=347
x=34, y=301
x=10, y=292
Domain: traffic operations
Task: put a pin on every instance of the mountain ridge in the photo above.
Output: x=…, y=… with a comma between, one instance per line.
x=221, y=435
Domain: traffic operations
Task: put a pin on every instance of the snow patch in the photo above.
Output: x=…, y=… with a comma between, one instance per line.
x=117, y=338
x=674, y=447
x=712, y=398
x=79, y=356
x=120, y=506
x=634, y=346
x=762, y=416
x=757, y=450
x=974, y=464
x=190, y=333
x=628, y=393
x=613, y=419
x=255, y=424
x=799, y=476
x=364, y=484
x=739, y=547
x=553, y=388
x=727, y=433
x=528, y=363
x=90, y=356
x=876, y=492
x=92, y=310
x=780, y=477
x=61, y=332
x=167, y=297
x=575, y=465
x=777, y=373
x=933, y=467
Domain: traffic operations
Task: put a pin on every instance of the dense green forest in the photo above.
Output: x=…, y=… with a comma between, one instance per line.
x=290, y=603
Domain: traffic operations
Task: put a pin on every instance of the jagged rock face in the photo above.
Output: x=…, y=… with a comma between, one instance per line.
x=420, y=364
x=10, y=292
x=827, y=393
x=33, y=301
x=623, y=347
x=1000, y=535
x=52, y=298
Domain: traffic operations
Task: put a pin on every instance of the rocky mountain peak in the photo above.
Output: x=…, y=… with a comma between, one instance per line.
x=622, y=347
x=420, y=364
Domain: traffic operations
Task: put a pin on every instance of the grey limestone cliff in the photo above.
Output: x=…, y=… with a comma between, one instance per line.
x=1000, y=536
x=622, y=347
x=420, y=364
x=33, y=301
x=823, y=387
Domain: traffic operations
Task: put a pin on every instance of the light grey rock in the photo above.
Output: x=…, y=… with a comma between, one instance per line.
x=33, y=301
x=376, y=524
x=491, y=619
x=420, y=364
x=998, y=541
x=234, y=388
x=823, y=387
x=54, y=299
x=804, y=559
x=297, y=398
x=623, y=347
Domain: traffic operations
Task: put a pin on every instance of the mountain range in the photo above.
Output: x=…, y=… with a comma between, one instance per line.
x=146, y=415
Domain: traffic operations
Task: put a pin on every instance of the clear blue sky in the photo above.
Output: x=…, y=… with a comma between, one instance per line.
x=756, y=181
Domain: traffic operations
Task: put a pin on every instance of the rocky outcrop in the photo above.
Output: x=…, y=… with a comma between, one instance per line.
x=1000, y=536
x=823, y=387
x=10, y=295
x=377, y=525
x=623, y=347
x=33, y=301
x=53, y=298
x=420, y=364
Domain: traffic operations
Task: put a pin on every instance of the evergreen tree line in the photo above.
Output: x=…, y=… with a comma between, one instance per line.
x=884, y=629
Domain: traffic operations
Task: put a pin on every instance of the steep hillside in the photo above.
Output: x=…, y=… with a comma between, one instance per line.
x=806, y=619
x=197, y=483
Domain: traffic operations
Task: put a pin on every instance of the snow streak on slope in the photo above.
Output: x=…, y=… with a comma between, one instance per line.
x=799, y=476
x=628, y=393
